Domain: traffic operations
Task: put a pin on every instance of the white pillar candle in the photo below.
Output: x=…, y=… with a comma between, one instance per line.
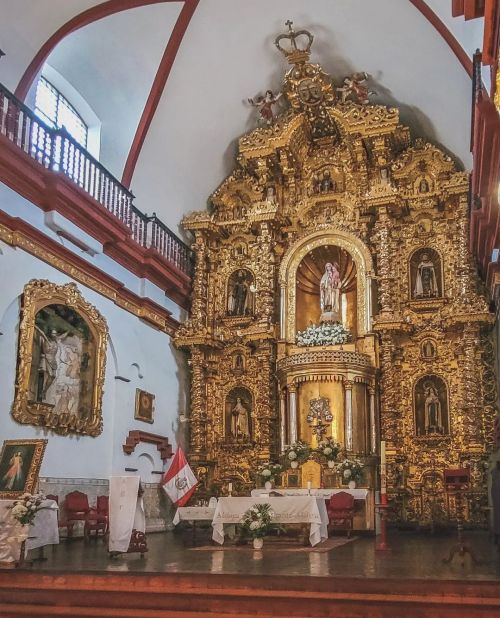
x=309, y=484
x=230, y=487
x=292, y=413
x=382, y=453
x=383, y=470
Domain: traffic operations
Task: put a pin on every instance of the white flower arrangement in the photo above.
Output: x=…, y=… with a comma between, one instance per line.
x=24, y=509
x=268, y=471
x=299, y=451
x=257, y=520
x=327, y=333
x=349, y=470
x=329, y=449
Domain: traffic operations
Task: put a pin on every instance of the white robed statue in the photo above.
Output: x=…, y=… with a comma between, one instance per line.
x=126, y=511
x=329, y=294
x=426, y=283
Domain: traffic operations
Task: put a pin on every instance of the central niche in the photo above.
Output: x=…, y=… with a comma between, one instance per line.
x=326, y=288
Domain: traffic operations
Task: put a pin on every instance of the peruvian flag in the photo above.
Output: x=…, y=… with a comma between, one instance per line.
x=179, y=482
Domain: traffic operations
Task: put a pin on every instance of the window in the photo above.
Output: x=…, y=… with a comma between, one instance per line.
x=56, y=111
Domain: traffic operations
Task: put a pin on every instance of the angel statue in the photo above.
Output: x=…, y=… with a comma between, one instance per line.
x=356, y=85
x=264, y=105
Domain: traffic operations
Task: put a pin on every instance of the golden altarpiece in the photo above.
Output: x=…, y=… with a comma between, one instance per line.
x=336, y=185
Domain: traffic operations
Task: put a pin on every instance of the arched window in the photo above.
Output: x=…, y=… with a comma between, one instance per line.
x=57, y=112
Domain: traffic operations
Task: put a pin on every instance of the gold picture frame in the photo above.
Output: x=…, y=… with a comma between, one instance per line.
x=20, y=462
x=144, y=406
x=61, y=360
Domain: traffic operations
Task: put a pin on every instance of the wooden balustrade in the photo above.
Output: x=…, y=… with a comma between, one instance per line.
x=56, y=150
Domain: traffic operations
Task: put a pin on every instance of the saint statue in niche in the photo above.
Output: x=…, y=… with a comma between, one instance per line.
x=426, y=285
x=329, y=293
x=240, y=293
x=239, y=420
x=428, y=349
x=431, y=402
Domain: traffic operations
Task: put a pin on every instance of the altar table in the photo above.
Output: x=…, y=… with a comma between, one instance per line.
x=287, y=510
x=193, y=513
x=364, y=515
x=43, y=531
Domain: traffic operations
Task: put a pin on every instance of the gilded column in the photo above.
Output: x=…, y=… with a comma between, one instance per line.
x=292, y=413
x=198, y=417
x=282, y=420
x=373, y=420
x=348, y=384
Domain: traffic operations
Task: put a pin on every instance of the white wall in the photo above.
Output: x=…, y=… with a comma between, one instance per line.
x=136, y=351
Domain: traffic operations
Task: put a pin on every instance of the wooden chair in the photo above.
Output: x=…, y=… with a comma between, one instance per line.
x=340, y=510
x=62, y=522
x=97, y=519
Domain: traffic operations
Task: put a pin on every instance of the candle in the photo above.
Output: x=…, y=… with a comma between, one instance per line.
x=309, y=485
x=230, y=487
x=383, y=471
x=382, y=453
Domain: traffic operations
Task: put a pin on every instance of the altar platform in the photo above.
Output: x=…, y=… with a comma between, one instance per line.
x=173, y=580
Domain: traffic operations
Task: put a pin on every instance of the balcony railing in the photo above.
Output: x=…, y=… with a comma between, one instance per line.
x=56, y=150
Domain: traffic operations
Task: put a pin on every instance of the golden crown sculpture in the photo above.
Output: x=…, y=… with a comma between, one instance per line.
x=295, y=54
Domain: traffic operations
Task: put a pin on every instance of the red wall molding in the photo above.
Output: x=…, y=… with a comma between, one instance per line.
x=158, y=87
x=17, y=233
x=162, y=443
x=50, y=191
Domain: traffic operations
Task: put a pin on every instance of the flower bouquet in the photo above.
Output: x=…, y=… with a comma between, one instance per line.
x=297, y=453
x=267, y=472
x=324, y=334
x=24, y=509
x=328, y=449
x=256, y=522
x=350, y=471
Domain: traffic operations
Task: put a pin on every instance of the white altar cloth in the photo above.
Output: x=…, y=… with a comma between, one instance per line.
x=193, y=513
x=357, y=493
x=286, y=509
x=43, y=531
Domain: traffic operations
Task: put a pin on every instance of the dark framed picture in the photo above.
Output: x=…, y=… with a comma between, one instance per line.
x=20, y=462
x=144, y=406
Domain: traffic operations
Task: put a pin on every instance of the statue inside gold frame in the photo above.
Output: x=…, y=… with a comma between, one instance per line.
x=62, y=349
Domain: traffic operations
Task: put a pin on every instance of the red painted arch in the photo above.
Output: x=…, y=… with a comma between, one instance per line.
x=157, y=88
x=79, y=21
x=452, y=42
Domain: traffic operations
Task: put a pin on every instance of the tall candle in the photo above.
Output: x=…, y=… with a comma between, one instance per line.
x=383, y=471
x=230, y=488
x=382, y=453
x=309, y=485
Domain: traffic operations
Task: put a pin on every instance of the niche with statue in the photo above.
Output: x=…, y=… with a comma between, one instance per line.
x=431, y=406
x=240, y=293
x=238, y=415
x=426, y=281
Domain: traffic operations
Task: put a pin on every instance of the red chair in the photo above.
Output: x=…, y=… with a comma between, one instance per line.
x=340, y=509
x=76, y=507
x=97, y=520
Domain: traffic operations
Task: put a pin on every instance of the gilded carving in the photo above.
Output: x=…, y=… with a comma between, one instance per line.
x=331, y=177
x=61, y=360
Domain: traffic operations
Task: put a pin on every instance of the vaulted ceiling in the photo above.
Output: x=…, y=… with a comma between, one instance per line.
x=169, y=79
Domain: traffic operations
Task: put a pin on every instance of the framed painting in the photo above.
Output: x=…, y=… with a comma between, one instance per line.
x=61, y=360
x=144, y=406
x=20, y=462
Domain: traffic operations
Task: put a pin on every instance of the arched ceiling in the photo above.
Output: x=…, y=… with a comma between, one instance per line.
x=226, y=55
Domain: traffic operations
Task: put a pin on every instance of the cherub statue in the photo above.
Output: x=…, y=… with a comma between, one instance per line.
x=264, y=105
x=356, y=85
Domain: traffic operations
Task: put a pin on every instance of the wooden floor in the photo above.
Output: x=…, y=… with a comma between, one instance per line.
x=350, y=581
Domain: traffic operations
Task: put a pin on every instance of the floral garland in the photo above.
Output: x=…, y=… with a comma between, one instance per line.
x=24, y=509
x=268, y=471
x=299, y=452
x=324, y=334
x=256, y=520
x=350, y=470
x=329, y=449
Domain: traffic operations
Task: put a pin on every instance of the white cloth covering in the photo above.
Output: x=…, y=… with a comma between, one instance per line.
x=43, y=531
x=193, y=513
x=286, y=509
x=126, y=511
